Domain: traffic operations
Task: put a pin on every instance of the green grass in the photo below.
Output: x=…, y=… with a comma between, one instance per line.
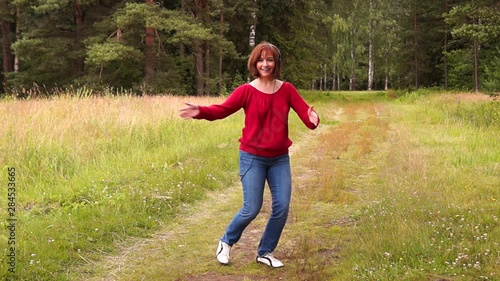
x=343, y=96
x=395, y=187
x=432, y=211
x=95, y=171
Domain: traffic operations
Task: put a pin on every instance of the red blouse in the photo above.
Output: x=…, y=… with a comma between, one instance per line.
x=266, y=117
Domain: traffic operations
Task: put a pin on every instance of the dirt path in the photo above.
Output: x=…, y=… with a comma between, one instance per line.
x=185, y=249
x=134, y=251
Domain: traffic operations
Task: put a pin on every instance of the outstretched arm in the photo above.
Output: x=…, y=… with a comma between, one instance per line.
x=191, y=111
x=216, y=111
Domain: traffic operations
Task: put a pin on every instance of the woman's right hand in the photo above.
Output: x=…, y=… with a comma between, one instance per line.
x=192, y=110
x=313, y=116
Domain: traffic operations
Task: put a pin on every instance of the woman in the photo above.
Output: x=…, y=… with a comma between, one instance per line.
x=263, y=147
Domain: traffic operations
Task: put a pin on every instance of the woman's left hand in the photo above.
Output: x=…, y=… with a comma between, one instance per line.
x=313, y=116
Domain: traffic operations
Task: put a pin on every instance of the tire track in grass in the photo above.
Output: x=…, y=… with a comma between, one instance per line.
x=185, y=248
x=347, y=164
x=204, y=222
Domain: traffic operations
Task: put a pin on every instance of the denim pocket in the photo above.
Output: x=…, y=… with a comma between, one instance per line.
x=246, y=161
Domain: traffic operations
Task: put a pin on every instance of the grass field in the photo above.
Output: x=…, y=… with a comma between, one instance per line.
x=386, y=189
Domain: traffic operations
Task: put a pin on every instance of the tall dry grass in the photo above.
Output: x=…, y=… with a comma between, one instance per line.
x=405, y=189
x=94, y=171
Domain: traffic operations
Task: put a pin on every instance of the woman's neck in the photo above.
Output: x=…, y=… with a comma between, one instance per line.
x=268, y=86
x=266, y=82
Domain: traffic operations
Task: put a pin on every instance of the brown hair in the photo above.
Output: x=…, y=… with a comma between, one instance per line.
x=255, y=56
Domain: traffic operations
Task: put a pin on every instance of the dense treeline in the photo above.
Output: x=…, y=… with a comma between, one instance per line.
x=200, y=46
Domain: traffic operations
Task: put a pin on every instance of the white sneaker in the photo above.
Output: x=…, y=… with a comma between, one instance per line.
x=222, y=252
x=269, y=260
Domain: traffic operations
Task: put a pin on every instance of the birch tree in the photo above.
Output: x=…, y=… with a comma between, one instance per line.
x=340, y=30
x=388, y=40
x=371, y=34
x=358, y=31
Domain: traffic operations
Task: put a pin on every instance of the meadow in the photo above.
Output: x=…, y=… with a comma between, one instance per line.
x=388, y=188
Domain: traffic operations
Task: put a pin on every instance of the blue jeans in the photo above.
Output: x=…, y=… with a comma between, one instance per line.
x=254, y=171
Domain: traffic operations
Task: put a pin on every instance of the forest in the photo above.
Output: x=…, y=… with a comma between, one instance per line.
x=200, y=47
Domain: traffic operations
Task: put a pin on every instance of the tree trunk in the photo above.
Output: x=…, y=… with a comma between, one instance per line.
x=476, y=65
x=18, y=35
x=206, y=74
x=7, y=30
x=333, y=77
x=370, y=50
x=445, y=48
x=251, y=37
x=352, y=77
x=386, y=83
x=79, y=63
x=199, y=70
x=415, y=42
x=321, y=76
x=219, y=83
x=149, y=56
x=371, y=64
x=201, y=49
x=325, y=78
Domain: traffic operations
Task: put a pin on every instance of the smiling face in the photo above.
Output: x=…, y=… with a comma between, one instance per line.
x=265, y=61
x=265, y=65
